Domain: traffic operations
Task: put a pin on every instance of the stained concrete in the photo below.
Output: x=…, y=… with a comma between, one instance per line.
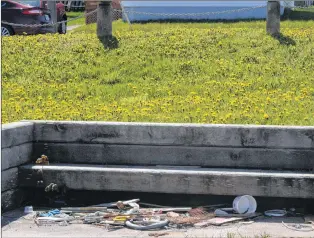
x=16, y=133
x=9, y=179
x=11, y=199
x=15, y=224
x=176, y=134
x=16, y=155
x=172, y=180
x=257, y=158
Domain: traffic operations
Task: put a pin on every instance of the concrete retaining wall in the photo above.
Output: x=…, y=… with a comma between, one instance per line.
x=230, y=146
x=154, y=179
x=16, y=150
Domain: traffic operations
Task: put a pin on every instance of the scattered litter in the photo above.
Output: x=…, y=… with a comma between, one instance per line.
x=197, y=211
x=275, y=213
x=299, y=227
x=244, y=204
x=172, y=214
x=117, y=204
x=28, y=209
x=156, y=234
x=220, y=212
x=50, y=213
x=52, y=188
x=309, y=219
x=218, y=221
x=129, y=214
x=148, y=226
x=246, y=215
x=152, y=205
x=246, y=222
x=82, y=209
x=43, y=160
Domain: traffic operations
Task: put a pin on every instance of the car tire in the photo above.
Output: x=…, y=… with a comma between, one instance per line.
x=6, y=30
x=62, y=27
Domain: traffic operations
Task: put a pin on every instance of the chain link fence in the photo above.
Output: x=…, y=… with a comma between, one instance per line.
x=90, y=14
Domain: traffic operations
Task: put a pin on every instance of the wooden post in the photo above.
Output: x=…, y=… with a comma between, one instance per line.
x=273, y=18
x=104, y=20
x=52, y=6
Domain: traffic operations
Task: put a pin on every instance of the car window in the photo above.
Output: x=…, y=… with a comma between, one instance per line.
x=34, y=3
x=5, y=4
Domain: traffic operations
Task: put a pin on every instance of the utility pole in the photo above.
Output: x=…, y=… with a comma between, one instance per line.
x=52, y=6
x=104, y=21
x=273, y=18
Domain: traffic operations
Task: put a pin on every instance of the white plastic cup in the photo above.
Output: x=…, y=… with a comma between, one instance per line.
x=253, y=204
x=28, y=209
x=244, y=204
x=241, y=204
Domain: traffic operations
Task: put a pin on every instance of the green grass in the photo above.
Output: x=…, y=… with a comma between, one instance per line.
x=179, y=72
x=80, y=21
x=302, y=14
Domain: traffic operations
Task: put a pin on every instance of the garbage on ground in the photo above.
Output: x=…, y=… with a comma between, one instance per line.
x=43, y=160
x=275, y=213
x=129, y=214
x=299, y=227
x=28, y=209
x=309, y=219
x=52, y=188
x=156, y=234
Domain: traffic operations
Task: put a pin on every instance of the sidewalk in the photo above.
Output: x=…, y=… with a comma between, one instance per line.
x=15, y=224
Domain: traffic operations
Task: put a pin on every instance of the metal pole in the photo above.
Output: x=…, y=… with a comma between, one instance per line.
x=52, y=6
x=104, y=21
x=273, y=18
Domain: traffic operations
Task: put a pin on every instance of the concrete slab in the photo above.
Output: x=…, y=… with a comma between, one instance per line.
x=152, y=179
x=258, y=158
x=16, y=155
x=16, y=133
x=9, y=179
x=175, y=134
x=15, y=224
x=11, y=199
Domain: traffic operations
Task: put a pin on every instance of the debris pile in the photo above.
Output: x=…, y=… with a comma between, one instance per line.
x=129, y=214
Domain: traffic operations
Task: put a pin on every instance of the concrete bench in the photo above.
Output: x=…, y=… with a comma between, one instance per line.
x=270, y=161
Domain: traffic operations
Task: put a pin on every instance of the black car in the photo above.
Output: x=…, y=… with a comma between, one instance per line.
x=29, y=13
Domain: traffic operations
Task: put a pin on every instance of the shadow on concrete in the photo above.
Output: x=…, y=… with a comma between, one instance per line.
x=11, y=216
x=89, y=198
x=284, y=40
x=109, y=42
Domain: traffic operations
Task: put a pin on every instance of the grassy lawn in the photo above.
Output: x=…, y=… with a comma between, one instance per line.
x=178, y=72
x=80, y=21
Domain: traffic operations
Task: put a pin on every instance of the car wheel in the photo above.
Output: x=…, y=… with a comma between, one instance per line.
x=6, y=31
x=63, y=28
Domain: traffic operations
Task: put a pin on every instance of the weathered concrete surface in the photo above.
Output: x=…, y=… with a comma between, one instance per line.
x=9, y=179
x=16, y=224
x=16, y=133
x=11, y=199
x=258, y=158
x=172, y=180
x=175, y=134
x=273, y=18
x=16, y=155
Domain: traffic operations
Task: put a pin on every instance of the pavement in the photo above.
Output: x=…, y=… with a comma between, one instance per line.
x=16, y=224
x=69, y=28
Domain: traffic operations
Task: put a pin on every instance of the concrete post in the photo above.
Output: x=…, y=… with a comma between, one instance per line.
x=104, y=21
x=273, y=18
x=52, y=6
